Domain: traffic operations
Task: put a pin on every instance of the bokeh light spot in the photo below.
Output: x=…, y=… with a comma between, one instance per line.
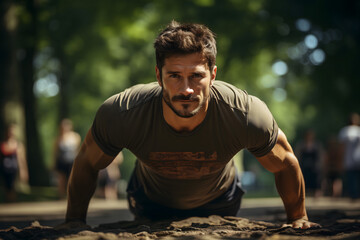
x=279, y=94
x=280, y=68
x=311, y=41
x=47, y=86
x=303, y=25
x=317, y=57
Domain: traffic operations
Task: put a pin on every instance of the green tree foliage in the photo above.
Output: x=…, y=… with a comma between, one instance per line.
x=326, y=91
x=298, y=56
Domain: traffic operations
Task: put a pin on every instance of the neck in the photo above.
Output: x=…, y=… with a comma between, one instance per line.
x=180, y=124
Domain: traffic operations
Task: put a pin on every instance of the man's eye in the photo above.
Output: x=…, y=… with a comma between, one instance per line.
x=174, y=76
x=197, y=75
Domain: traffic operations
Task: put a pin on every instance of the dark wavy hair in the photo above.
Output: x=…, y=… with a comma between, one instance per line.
x=185, y=38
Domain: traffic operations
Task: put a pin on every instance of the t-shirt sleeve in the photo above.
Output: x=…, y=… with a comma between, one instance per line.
x=262, y=128
x=104, y=128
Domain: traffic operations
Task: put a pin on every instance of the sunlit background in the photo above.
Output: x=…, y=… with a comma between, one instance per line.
x=64, y=58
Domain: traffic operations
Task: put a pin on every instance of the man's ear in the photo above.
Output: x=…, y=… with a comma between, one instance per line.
x=213, y=75
x=158, y=76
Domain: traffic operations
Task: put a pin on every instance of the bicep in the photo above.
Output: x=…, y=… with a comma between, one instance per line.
x=280, y=157
x=91, y=154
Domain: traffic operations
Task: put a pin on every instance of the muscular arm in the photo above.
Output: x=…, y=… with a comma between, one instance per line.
x=82, y=183
x=289, y=181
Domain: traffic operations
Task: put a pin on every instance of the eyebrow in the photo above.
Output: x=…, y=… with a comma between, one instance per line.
x=176, y=72
x=172, y=72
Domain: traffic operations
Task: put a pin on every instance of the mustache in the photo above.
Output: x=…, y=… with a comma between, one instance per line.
x=184, y=98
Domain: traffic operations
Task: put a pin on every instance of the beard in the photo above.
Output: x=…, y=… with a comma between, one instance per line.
x=184, y=112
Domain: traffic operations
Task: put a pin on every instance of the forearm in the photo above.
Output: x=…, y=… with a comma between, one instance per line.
x=291, y=188
x=82, y=185
x=289, y=181
x=83, y=178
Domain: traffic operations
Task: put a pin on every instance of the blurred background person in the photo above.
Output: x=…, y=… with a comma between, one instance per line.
x=333, y=167
x=310, y=154
x=108, y=179
x=12, y=162
x=66, y=148
x=349, y=137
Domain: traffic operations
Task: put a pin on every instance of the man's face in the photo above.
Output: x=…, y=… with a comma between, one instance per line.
x=186, y=81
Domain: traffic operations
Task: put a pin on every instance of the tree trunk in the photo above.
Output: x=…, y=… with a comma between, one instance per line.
x=64, y=90
x=37, y=170
x=7, y=61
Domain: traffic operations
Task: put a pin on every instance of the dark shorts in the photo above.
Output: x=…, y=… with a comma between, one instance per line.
x=64, y=168
x=334, y=175
x=9, y=175
x=311, y=178
x=105, y=180
x=352, y=183
x=141, y=206
x=9, y=180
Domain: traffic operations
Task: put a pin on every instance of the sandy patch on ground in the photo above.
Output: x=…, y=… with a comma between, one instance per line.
x=340, y=219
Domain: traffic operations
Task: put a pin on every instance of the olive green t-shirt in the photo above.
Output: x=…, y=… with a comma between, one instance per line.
x=184, y=170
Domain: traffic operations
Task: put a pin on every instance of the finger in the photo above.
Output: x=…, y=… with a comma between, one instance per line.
x=306, y=225
x=297, y=225
x=286, y=225
x=315, y=225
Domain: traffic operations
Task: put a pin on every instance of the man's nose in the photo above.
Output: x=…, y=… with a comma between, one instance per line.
x=186, y=88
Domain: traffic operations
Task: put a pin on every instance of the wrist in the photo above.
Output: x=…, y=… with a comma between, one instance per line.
x=291, y=220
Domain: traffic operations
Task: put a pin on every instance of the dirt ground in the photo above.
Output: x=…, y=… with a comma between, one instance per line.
x=257, y=219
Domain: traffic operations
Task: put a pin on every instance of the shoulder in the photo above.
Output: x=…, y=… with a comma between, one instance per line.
x=124, y=105
x=230, y=95
x=237, y=98
x=121, y=113
x=258, y=112
x=132, y=97
x=254, y=108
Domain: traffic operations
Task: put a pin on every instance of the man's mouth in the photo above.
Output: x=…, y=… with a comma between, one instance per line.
x=182, y=98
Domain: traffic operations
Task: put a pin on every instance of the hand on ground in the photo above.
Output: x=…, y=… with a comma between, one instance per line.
x=302, y=223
